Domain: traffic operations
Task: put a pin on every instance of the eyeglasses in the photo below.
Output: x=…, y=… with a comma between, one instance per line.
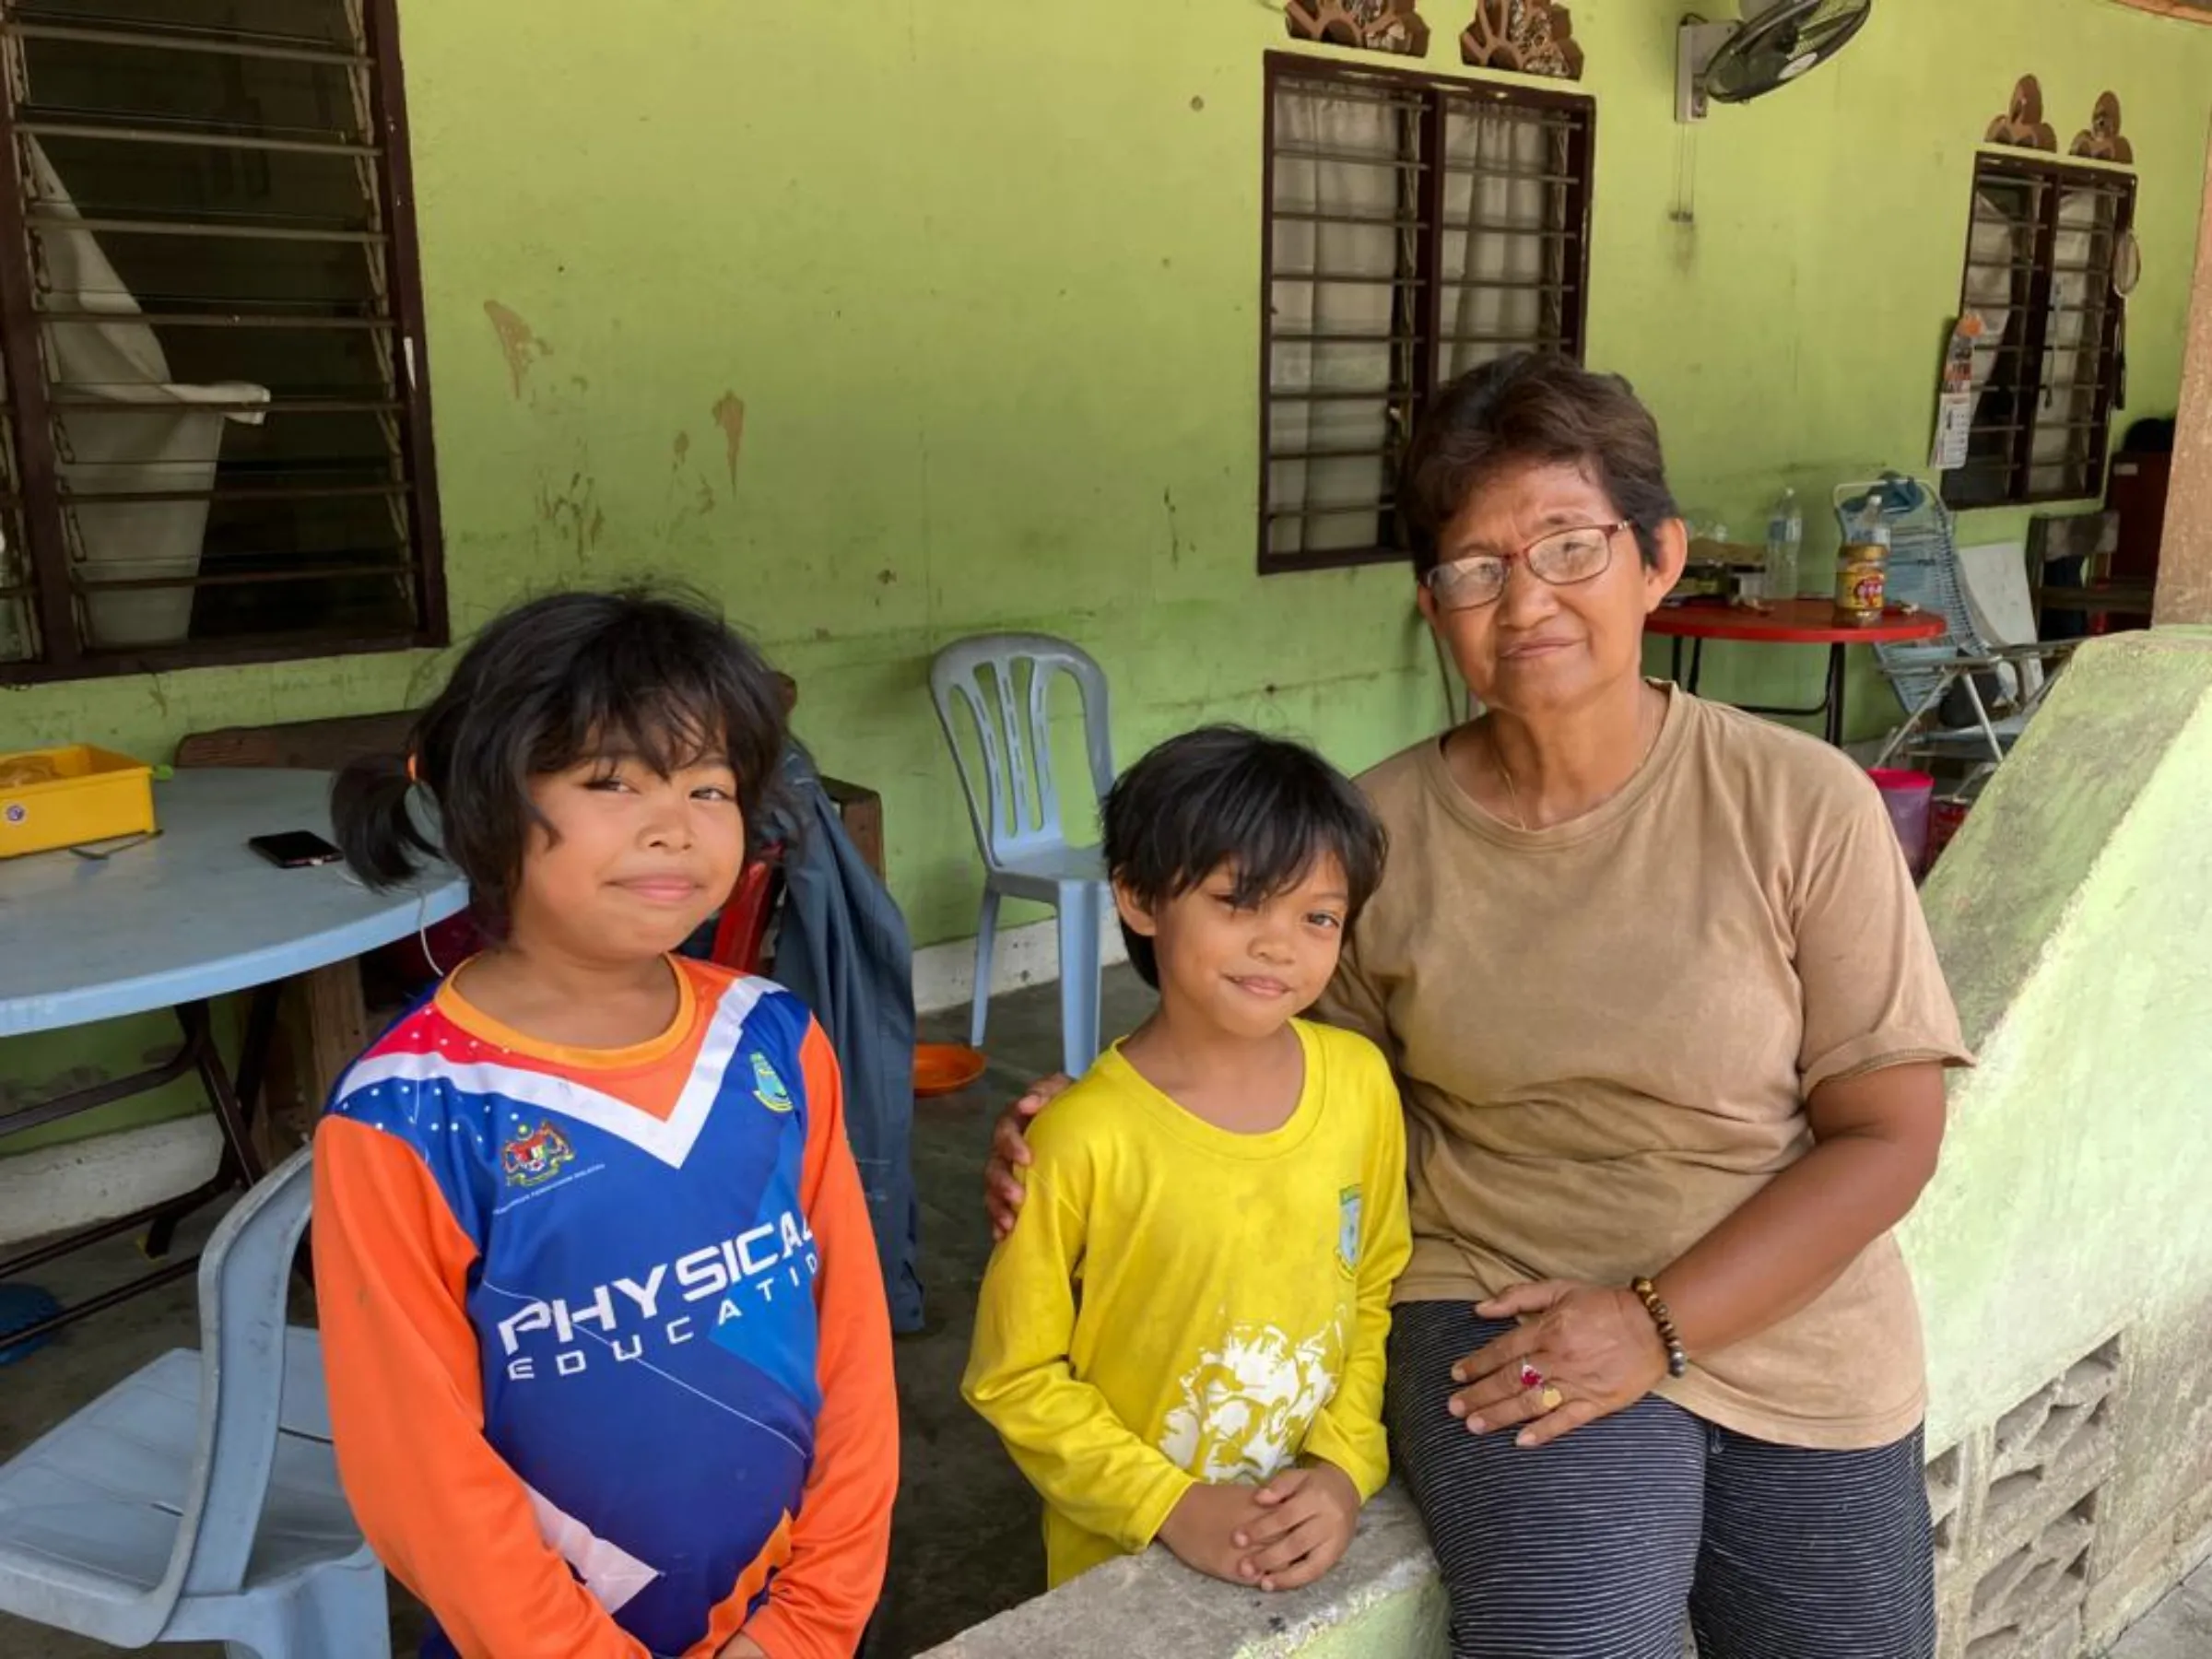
x=1559, y=559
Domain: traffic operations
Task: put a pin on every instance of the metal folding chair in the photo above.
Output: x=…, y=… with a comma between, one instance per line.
x=1966, y=698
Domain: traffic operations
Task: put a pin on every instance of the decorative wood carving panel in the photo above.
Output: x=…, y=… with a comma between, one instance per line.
x=2022, y=126
x=1392, y=26
x=2048, y=1460
x=1534, y=37
x=2102, y=141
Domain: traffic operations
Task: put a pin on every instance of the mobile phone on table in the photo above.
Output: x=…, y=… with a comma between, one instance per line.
x=294, y=849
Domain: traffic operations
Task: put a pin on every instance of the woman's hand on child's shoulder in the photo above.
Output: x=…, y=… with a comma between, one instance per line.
x=1204, y=1526
x=1308, y=1517
x=741, y=1646
x=1002, y=1190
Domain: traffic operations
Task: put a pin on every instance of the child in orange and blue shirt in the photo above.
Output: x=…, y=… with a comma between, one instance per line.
x=603, y=1329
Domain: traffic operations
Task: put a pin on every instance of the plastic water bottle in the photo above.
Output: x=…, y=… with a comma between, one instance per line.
x=1785, y=542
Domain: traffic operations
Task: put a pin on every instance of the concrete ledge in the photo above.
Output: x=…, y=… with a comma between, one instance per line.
x=79, y=1182
x=2064, y=1233
x=2000, y=897
x=1383, y=1598
x=1027, y=955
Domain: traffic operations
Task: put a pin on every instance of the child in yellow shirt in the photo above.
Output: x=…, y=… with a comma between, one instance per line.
x=1183, y=1336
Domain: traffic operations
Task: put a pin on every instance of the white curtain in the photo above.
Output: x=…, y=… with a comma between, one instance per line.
x=1994, y=244
x=2073, y=334
x=1354, y=156
x=2001, y=241
x=1337, y=155
x=1494, y=178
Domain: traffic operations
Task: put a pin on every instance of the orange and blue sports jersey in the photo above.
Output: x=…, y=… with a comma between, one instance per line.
x=603, y=1332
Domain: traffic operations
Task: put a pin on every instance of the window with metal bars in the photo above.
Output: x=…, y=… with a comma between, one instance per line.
x=1414, y=227
x=2043, y=241
x=215, y=442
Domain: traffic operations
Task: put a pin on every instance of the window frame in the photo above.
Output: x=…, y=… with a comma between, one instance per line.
x=64, y=652
x=2057, y=174
x=1436, y=91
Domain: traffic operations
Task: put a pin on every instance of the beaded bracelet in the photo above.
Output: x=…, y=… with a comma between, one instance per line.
x=1677, y=1362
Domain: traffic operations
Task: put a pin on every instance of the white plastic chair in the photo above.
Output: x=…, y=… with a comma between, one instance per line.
x=198, y=1500
x=1003, y=681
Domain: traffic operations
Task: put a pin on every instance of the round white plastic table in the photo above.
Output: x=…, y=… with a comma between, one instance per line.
x=171, y=923
x=195, y=912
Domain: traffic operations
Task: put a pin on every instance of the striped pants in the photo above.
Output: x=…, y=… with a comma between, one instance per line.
x=1596, y=1546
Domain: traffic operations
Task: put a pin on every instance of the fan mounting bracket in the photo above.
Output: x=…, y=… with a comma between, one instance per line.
x=1697, y=42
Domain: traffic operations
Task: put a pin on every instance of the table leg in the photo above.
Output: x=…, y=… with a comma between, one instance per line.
x=54, y=1249
x=241, y=1165
x=323, y=1029
x=1677, y=673
x=1828, y=710
x=1836, y=665
x=338, y=1025
x=165, y=1274
x=860, y=809
x=99, y=1094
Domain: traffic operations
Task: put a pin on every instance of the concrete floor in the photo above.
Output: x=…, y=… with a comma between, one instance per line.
x=968, y=1539
x=2178, y=1628
x=965, y=1543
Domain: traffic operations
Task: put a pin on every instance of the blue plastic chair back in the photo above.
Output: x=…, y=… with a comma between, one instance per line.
x=197, y=1500
x=1923, y=571
x=1004, y=682
x=245, y=1276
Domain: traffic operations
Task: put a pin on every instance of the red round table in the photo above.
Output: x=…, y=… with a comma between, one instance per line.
x=1788, y=622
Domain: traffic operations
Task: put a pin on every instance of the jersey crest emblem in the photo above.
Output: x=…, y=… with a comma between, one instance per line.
x=535, y=1155
x=768, y=1089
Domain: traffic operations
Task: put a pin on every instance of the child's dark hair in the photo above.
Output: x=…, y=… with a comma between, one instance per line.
x=1222, y=795
x=544, y=686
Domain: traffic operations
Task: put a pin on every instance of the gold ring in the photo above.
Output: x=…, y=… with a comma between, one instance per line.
x=1551, y=1399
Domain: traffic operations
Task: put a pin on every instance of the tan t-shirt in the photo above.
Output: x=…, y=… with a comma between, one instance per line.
x=1607, y=1031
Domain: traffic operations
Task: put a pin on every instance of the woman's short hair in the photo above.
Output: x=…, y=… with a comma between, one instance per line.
x=1534, y=407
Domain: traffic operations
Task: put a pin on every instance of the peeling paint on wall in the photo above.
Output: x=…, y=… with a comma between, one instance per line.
x=518, y=344
x=729, y=415
x=572, y=514
x=684, y=499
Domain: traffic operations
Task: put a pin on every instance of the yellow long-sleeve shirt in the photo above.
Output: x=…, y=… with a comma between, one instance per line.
x=1182, y=1303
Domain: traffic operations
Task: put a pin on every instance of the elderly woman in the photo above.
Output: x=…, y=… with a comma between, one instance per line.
x=1671, y=1035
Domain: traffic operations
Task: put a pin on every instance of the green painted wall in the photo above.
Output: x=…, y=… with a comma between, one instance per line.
x=982, y=294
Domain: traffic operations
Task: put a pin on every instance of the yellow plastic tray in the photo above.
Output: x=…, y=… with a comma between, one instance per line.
x=79, y=793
